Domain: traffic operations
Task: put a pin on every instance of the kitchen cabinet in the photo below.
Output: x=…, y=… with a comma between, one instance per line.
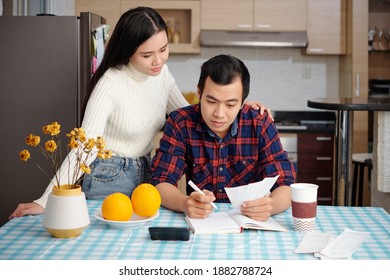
x=182, y=18
x=227, y=15
x=326, y=27
x=280, y=15
x=379, y=55
x=315, y=163
x=254, y=15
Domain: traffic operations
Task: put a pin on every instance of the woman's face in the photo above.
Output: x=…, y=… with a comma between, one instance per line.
x=151, y=54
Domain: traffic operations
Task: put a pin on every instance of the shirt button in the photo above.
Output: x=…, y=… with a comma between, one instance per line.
x=221, y=169
x=220, y=190
x=243, y=162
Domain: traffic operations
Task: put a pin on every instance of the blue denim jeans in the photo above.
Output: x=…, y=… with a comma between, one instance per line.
x=116, y=174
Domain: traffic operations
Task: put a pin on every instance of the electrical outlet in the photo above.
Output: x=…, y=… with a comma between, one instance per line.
x=306, y=72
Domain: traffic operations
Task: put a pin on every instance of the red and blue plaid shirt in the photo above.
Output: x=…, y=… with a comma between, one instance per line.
x=249, y=153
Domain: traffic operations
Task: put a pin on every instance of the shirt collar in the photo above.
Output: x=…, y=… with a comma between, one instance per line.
x=202, y=126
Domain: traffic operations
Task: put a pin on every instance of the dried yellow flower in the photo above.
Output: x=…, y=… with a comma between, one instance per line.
x=33, y=140
x=53, y=129
x=100, y=144
x=83, y=150
x=24, y=155
x=50, y=146
x=46, y=129
x=78, y=134
x=90, y=144
x=73, y=144
x=80, y=131
x=85, y=168
x=104, y=154
x=82, y=138
x=71, y=134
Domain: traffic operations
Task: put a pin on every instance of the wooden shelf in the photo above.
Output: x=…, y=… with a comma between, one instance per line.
x=379, y=59
x=379, y=51
x=183, y=16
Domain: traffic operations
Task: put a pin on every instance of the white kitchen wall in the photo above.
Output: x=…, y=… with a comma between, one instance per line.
x=63, y=7
x=33, y=7
x=281, y=78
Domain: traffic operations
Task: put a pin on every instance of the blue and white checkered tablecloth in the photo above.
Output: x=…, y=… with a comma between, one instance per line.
x=25, y=238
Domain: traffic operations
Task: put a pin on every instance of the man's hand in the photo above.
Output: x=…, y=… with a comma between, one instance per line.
x=258, y=209
x=198, y=206
x=261, y=209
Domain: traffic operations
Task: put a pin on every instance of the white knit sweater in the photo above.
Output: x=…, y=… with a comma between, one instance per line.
x=127, y=108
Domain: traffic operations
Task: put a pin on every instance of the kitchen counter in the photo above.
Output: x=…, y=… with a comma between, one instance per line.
x=305, y=121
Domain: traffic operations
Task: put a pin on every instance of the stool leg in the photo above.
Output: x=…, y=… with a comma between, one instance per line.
x=368, y=162
x=354, y=183
x=361, y=184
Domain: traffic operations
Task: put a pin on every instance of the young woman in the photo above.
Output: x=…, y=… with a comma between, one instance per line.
x=129, y=97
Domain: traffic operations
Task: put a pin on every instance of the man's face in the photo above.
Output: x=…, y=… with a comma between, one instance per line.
x=220, y=105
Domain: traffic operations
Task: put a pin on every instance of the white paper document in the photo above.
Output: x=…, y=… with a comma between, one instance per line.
x=313, y=242
x=99, y=37
x=326, y=246
x=344, y=245
x=238, y=195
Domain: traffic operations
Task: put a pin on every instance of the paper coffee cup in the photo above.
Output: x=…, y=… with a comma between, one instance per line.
x=304, y=206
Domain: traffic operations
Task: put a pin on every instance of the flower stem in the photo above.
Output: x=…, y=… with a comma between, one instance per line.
x=40, y=168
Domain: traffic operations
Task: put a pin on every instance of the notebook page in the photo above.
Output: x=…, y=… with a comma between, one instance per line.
x=218, y=222
x=246, y=222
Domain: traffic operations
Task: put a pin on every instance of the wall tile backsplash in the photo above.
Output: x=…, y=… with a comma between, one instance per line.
x=281, y=78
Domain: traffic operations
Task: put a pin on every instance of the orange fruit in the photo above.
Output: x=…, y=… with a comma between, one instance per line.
x=146, y=200
x=117, y=207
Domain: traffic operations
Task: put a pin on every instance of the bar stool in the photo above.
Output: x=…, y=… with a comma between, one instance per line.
x=359, y=162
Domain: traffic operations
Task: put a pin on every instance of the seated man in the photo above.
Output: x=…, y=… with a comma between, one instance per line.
x=221, y=143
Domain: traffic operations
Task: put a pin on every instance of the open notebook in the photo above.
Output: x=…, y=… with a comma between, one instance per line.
x=230, y=222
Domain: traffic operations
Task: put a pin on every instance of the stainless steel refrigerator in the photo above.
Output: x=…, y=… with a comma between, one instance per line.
x=46, y=63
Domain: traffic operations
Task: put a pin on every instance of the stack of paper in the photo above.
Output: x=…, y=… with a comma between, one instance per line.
x=325, y=246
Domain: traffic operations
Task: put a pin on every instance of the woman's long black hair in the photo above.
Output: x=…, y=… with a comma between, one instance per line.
x=133, y=28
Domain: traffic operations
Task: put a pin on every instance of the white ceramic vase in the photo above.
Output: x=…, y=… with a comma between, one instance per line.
x=66, y=213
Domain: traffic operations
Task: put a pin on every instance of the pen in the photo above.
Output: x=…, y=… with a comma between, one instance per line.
x=195, y=187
